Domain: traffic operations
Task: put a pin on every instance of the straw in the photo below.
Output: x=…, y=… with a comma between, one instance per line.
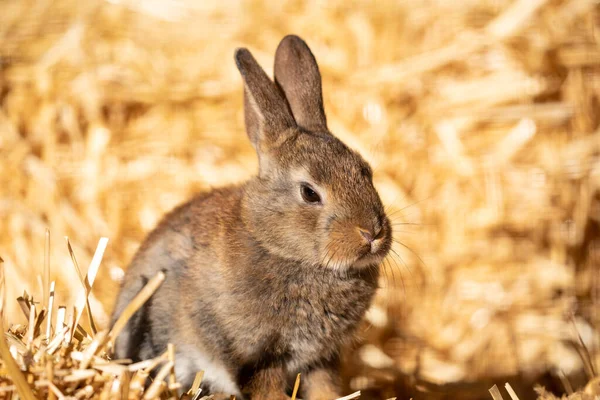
x=11, y=366
x=495, y=392
x=82, y=298
x=143, y=296
x=511, y=392
x=479, y=118
x=296, y=386
x=46, y=281
x=85, y=285
x=50, y=310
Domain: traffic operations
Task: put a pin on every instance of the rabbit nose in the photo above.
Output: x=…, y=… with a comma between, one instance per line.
x=368, y=235
x=372, y=237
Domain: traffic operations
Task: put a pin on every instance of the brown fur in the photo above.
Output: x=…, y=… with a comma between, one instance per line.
x=261, y=284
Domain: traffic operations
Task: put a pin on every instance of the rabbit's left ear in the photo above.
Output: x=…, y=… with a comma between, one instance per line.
x=298, y=76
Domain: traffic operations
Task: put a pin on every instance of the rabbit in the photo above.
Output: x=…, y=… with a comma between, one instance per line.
x=271, y=277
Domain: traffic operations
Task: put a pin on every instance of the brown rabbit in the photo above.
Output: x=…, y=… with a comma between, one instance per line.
x=271, y=277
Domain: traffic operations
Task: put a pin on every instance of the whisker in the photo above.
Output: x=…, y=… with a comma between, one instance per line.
x=401, y=279
x=397, y=231
x=411, y=250
x=402, y=261
x=418, y=202
x=387, y=266
x=328, y=248
x=395, y=212
x=387, y=208
x=401, y=276
x=403, y=214
x=391, y=267
x=409, y=223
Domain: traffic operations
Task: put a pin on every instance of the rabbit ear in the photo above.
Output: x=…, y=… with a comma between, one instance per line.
x=297, y=74
x=267, y=114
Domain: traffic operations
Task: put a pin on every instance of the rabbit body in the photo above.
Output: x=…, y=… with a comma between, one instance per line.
x=270, y=278
x=226, y=320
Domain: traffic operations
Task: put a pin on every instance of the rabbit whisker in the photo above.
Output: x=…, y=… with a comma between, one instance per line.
x=394, y=253
x=411, y=250
x=390, y=260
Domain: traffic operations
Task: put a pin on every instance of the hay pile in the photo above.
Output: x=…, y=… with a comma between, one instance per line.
x=57, y=358
x=479, y=117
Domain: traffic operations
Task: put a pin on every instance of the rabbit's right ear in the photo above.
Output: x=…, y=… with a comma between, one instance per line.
x=267, y=114
x=297, y=73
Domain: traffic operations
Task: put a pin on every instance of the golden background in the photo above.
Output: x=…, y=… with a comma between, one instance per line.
x=480, y=118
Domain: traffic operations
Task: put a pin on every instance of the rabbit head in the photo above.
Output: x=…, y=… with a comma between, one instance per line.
x=313, y=199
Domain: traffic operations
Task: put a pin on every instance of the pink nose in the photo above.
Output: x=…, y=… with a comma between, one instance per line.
x=369, y=237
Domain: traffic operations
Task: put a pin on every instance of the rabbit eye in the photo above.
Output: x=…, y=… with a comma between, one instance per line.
x=309, y=195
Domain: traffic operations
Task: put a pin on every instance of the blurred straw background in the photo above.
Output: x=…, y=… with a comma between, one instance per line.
x=480, y=118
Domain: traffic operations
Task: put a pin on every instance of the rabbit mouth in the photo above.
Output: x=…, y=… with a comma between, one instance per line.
x=368, y=260
x=369, y=256
x=365, y=258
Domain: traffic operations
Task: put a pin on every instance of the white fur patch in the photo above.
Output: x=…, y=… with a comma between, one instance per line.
x=190, y=360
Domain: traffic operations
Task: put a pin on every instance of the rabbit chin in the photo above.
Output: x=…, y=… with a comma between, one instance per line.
x=368, y=260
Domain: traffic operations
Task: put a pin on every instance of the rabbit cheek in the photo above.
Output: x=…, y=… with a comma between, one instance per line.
x=305, y=225
x=343, y=246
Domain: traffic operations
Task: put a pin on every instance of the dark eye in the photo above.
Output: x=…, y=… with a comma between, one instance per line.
x=308, y=194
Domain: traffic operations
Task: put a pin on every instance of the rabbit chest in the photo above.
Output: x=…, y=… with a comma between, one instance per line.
x=298, y=314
